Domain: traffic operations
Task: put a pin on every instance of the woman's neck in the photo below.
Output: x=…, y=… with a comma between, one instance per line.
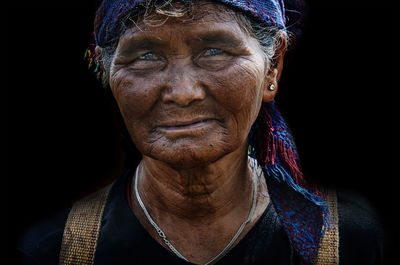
x=197, y=194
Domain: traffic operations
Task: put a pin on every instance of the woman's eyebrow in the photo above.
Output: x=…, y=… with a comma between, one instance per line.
x=140, y=43
x=133, y=45
x=220, y=37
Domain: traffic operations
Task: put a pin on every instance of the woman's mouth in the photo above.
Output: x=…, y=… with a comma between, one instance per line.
x=186, y=126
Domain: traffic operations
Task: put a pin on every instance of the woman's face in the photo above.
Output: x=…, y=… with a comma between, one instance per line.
x=189, y=89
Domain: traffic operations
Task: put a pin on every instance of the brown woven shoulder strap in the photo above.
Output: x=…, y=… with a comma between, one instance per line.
x=82, y=229
x=328, y=253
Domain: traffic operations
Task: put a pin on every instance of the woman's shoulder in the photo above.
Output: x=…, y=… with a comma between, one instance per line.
x=362, y=237
x=356, y=212
x=42, y=242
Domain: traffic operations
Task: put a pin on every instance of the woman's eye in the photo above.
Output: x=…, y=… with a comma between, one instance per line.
x=215, y=59
x=213, y=52
x=146, y=61
x=150, y=56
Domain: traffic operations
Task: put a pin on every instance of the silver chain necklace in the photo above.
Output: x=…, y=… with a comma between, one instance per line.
x=171, y=247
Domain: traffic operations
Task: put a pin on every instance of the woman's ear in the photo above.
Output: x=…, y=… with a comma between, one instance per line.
x=99, y=58
x=274, y=73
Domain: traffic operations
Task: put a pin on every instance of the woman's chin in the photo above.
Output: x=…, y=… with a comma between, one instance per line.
x=189, y=156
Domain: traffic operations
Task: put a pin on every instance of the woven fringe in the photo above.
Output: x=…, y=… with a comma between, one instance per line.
x=328, y=253
x=82, y=228
x=301, y=206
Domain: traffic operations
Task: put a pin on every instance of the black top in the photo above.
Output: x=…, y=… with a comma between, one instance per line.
x=123, y=240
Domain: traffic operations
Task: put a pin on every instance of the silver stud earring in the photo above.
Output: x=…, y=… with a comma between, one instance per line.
x=271, y=87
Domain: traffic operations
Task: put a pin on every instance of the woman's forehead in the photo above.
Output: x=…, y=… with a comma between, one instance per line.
x=201, y=12
x=227, y=34
x=205, y=23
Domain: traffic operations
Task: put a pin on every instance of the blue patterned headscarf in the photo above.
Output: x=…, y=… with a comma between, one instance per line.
x=111, y=11
x=300, y=206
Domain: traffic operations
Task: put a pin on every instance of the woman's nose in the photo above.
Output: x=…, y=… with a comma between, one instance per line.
x=183, y=88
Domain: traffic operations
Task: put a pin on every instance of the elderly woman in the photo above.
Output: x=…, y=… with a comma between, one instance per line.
x=219, y=180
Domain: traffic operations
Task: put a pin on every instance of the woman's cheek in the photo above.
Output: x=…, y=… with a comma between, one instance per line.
x=133, y=95
x=237, y=87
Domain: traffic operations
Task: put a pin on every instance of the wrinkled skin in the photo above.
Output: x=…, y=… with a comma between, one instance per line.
x=189, y=91
x=180, y=81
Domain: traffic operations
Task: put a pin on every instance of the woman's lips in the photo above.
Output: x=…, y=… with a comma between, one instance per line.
x=186, y=125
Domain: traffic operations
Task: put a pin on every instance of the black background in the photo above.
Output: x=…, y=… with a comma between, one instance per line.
x=335, y=92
